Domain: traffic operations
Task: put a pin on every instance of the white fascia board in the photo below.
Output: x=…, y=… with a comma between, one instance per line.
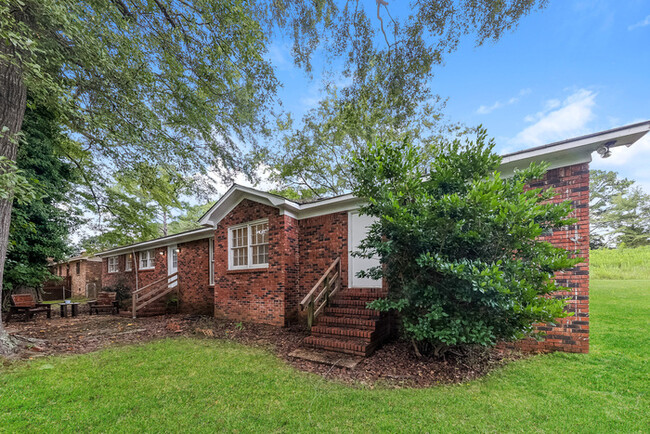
x=574, y=151
x=235, y=195
x=183, y=237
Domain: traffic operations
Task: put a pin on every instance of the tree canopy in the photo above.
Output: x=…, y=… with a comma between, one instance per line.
x=619, y=211
x=40, y=228
x=188, y=83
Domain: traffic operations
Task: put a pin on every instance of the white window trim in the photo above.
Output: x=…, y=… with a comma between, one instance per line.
x=248, y=246
x=211, y=260
x=151, y=258
x=117, y=264
x=128, y=263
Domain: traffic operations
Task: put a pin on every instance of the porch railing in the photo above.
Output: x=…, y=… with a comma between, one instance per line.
x=319, y=296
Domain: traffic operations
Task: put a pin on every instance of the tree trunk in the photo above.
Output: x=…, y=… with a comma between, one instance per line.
x=12, y=110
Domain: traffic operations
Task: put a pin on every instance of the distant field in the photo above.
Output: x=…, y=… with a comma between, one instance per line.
x=618, y=264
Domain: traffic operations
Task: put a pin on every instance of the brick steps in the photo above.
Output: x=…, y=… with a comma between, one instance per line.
x=347, y=326
x=339, y=345
x=341, y=321
x=372, y=293
x=348, y=332
x=352, y=312
x=349, y=302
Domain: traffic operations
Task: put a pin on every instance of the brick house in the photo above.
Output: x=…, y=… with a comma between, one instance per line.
x=83, y=275
x=259, y=255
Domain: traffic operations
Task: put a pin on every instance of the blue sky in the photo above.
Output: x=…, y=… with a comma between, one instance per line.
x=573, y=68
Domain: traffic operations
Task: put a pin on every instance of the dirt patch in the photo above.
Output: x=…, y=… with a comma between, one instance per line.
x=393, y=365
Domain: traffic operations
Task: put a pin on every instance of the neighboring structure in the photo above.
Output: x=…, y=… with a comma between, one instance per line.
x=82, y=273
x=259, y=255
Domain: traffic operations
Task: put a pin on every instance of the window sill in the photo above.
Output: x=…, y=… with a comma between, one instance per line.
x=146, y=269
x=248, y=270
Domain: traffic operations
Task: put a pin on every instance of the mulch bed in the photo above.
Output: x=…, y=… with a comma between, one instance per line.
x=393, y=365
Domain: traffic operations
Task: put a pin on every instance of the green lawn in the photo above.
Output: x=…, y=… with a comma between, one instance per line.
x=208, y=385
x=620, y=264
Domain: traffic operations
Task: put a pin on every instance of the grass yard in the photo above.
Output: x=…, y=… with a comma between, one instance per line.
x=620, y=264
x=210, y=385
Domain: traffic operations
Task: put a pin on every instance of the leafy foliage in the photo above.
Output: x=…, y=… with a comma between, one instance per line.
x=619, y=211
x=459, y=245
x=385, y=91
x=40, y=228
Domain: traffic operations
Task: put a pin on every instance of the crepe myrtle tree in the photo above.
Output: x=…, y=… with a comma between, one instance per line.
x=459, y=244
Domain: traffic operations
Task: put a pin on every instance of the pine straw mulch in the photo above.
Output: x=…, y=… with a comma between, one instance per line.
x=392, y=365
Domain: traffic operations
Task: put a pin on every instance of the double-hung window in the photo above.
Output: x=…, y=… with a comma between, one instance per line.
x=128, y=265
x=211, y=250
x=147, y=260
x=248, y=245
x=113, y=266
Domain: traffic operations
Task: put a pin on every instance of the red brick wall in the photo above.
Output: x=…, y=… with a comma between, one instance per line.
x=570, y=334
x=195, y=293
x=145, y=277
x=322, y=240
x=256, y=295
x=299, y=253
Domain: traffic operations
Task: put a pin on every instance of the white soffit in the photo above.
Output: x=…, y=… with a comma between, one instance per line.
x=575, y=151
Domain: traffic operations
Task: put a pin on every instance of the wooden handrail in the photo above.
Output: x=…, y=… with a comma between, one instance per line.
x=324, y=284
x=165, y=287
x=155, y=282
x=305, y=300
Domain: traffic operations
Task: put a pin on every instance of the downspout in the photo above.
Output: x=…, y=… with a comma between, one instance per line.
x=135, y=267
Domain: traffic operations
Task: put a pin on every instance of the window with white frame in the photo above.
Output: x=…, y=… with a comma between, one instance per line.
x=211, y=250
x=113, y=266
x=128, y=265
x=248, y=245
x=147, y=260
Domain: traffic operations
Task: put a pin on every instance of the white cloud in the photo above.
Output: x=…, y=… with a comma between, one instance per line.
x=484, y=109
x=558, y=120
x=642, y=23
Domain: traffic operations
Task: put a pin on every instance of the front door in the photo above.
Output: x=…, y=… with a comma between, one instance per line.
x=172, y=263
x=357, y=230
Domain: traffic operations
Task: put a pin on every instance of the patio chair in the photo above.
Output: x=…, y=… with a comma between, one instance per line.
x=25, y=303
x=105, y=302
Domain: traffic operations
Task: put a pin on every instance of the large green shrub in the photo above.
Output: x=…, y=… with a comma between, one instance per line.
x=459, y=244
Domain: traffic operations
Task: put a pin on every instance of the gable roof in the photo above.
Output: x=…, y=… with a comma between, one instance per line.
x=237, y=193
x=181, y=237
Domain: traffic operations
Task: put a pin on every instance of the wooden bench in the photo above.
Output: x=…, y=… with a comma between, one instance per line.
x=105, y=302
x=26, y=303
